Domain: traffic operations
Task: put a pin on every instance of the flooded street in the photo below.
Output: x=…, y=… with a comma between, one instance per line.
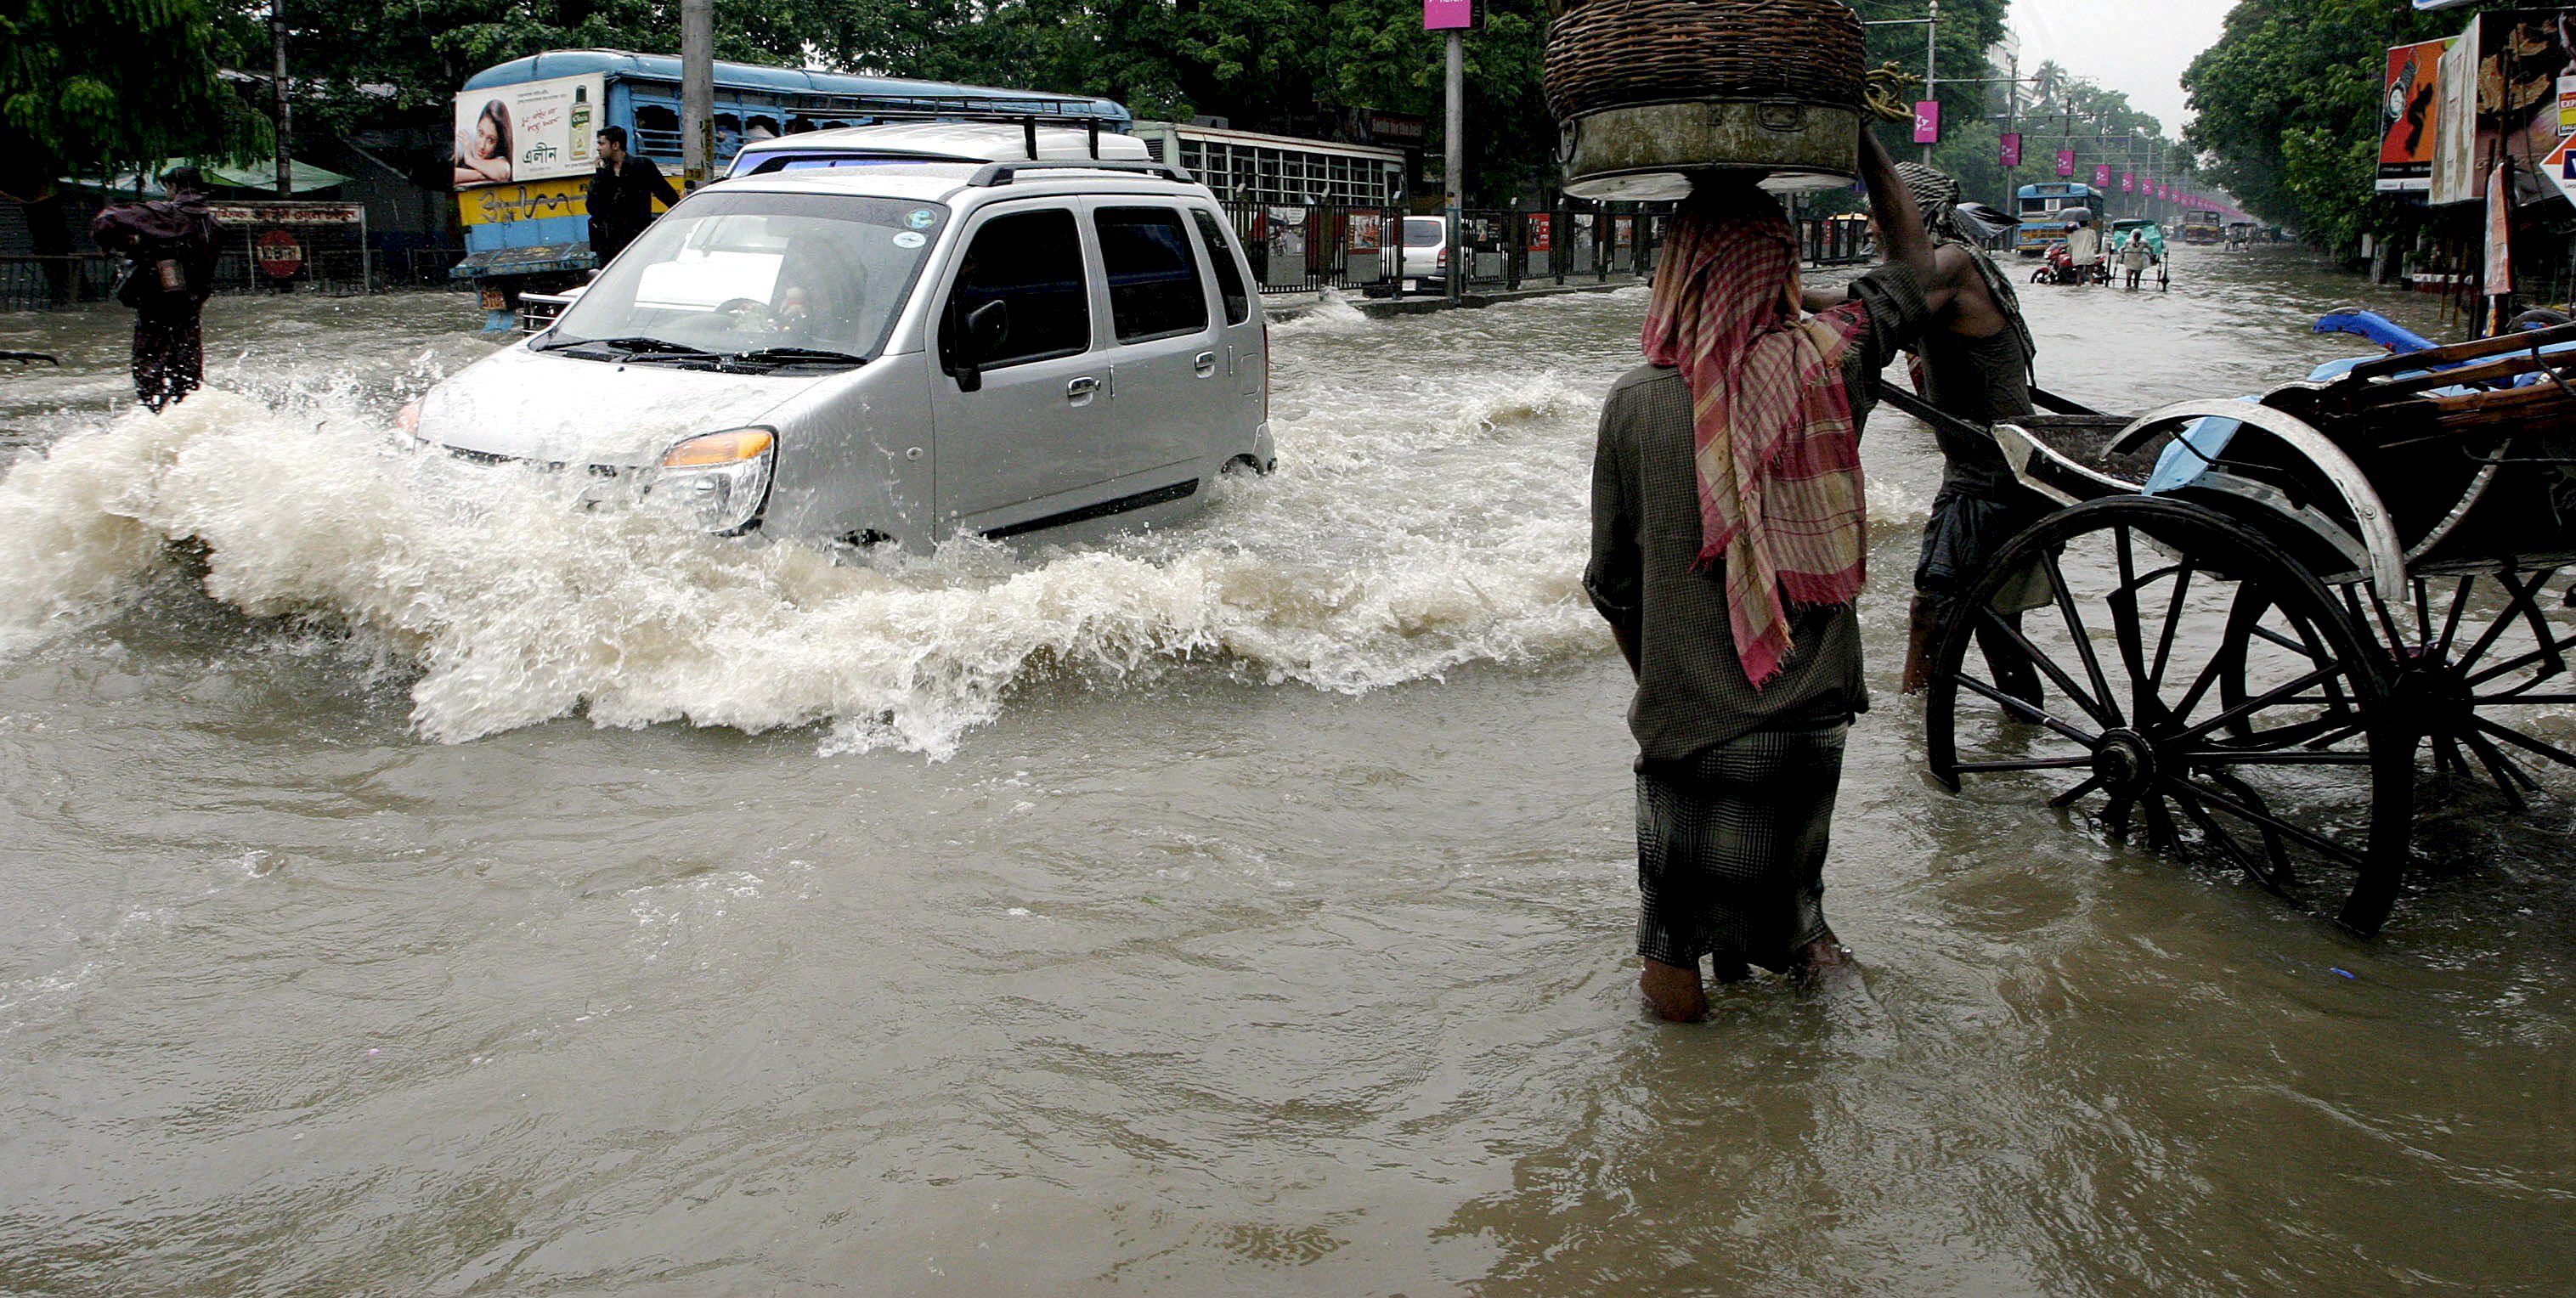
x=421, y=886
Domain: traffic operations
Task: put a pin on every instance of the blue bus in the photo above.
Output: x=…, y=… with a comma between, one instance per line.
x=2038, y=208
x=526, y=135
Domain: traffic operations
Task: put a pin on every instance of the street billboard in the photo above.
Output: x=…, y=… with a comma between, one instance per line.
x=1452, y=15
x=533, y=130
x=2500, y=98
x=2410, y=106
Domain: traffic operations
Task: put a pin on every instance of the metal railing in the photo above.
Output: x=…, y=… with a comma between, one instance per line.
x=1313, y=247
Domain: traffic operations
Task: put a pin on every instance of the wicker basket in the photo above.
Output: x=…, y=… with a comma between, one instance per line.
x=1649, y=94
x=1627, y=53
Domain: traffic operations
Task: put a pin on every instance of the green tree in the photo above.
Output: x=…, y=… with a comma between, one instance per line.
x=87, y=86
x=2288, y=108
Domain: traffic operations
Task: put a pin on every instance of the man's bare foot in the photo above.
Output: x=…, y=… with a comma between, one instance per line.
x=1674, y=992
x=1819, y=960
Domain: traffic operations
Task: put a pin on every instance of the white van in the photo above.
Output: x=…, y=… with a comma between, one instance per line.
x=900, y=349
x=1426, y=248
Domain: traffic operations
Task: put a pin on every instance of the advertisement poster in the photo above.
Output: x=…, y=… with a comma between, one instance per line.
x=2012, y=149
x=1368, y=231
x=1538, y=232
x=2409, y=107
x=2128, y=182
x=2498, y=98
x=2102, y=177
x=536, y=130
x=1448, y=15
x=1927, y=121
x=2066, y=162
x=1287, y=234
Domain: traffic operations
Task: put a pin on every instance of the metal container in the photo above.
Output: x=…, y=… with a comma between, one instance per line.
x=1649, y=152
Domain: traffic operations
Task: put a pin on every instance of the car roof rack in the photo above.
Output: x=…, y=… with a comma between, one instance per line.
x=1003, y=173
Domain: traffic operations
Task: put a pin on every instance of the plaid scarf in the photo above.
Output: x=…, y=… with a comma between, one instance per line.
x=1773, y=438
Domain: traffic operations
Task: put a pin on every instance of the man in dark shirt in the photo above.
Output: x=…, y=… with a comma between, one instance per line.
x=622, y=190
x=173, y=245
x=1735, y=455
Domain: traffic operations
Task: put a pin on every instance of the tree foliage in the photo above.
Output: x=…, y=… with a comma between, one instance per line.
x=2288, y=104
x=90, y=85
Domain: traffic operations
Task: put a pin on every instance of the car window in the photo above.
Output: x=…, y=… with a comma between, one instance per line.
x=1154, y=285
x=1423, y=231
x=1031, y=263
x=739, y=272
x=1229, y=277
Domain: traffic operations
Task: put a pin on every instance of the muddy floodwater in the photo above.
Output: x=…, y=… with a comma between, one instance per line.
x=419, y=886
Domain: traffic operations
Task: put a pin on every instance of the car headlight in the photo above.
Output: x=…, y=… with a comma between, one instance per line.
x=722, y=478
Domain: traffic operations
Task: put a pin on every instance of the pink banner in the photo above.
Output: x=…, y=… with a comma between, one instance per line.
x=2102, y=176
x=2066, y=162
x=1448, y=15
x=2012, y=149
x=1927, y=121
x=2128, y=182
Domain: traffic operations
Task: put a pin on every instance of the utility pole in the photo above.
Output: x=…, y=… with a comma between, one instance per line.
x=1931, y=58
x=285, y=109
x=1454, y=165
x=697, y=91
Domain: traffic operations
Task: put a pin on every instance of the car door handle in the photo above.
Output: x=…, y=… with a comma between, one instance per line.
x=1082, y=390
x=1204, y=364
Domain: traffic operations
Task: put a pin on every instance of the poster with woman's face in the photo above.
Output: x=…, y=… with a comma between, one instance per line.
x=534, y=130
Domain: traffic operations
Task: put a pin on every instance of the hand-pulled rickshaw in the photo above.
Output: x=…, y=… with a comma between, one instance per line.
x=2251, y=617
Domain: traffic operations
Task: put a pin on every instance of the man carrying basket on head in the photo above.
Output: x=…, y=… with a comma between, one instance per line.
x=1728, y=543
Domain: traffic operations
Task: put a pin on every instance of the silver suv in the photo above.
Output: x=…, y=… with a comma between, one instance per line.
x=901, y=348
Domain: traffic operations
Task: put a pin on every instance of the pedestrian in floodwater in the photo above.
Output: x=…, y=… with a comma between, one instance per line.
x=1973, y=364
x=172, y=244
x=622, y=190
x=1728, y=543
x=2136, y=256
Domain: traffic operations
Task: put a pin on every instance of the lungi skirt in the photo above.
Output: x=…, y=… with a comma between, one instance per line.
x=1731, y=848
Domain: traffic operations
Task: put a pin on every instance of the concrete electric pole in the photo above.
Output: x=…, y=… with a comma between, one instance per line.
x=285, y=108
x=697, y=92
x=1454, y=165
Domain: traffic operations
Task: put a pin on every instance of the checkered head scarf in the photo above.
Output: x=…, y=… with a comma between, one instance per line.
x=1772, y=433
x=1937, y=194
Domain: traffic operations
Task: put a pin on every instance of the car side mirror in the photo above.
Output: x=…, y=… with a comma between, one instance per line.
x=978, y=334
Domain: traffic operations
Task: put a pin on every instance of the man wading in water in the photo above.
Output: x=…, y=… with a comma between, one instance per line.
x=1728, y=541
x=622, y=190
x=173, y=245
x=1974, y=365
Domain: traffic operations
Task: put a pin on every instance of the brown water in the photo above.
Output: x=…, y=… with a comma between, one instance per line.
x=423, y=888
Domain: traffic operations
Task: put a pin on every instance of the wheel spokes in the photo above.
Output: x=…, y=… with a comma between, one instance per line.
x=2029, y=711
x=2083, y=640
x=2101, y=715
x=2264, y=820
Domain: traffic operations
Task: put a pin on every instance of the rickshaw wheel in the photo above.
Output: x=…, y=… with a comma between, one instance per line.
x=2478, y=662
x=2196, y=679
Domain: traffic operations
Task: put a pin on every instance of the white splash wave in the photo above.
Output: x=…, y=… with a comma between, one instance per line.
x=1382, y=553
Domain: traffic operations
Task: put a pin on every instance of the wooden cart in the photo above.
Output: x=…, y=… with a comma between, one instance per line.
x=2246, y=642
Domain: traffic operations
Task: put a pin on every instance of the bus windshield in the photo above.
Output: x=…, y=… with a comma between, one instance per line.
x=809, y=276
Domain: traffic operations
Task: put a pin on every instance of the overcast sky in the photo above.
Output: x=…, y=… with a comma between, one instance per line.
x=2139, y=46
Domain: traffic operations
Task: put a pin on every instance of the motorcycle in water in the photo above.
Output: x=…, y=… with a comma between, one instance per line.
x=2060, y=268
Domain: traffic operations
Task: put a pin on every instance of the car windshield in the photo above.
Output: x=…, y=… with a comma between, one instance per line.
x=1422, y=232
x=777, y=279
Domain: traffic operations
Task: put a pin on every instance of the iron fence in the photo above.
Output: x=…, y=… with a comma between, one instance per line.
x=1313, y=247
